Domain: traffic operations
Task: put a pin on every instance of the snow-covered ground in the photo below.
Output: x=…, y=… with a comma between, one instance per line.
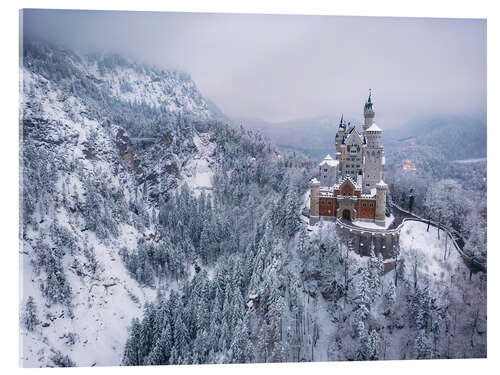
x=419, y=245
x=372, y=225
x=99, y=314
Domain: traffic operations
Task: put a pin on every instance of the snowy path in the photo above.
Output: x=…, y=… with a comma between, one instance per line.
x=469, y=161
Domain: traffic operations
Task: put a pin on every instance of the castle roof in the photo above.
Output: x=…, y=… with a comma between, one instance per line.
x=328, y=160
x=342, y=122
x=374, y=128
x=369, y=104
x=353, y=131
x=348, y=180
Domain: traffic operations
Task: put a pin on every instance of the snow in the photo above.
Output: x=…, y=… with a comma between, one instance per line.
x=100, y=313
x=198, y=173
x=373, y=225
x=417, y=243
x=174, y=93
x=329, y=161
x=374, y=128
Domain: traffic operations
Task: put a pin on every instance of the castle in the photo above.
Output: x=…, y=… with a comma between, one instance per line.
x=351, y=186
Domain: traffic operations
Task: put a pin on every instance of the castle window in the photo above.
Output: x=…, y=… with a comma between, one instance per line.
x=364, y=204
x=329, y=203
x=325, y=170
x=371, y=204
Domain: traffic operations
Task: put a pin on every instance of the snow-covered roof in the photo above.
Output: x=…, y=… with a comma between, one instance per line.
x=381, y=184
x=314, y=181
x=349, y=179
x=374, y=128
x=329, y=161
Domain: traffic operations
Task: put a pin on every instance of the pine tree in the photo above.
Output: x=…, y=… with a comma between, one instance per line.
x=30, y=314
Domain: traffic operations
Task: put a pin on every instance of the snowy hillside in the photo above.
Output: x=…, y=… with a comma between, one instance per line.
x=117, y=162
x=94, y=297
x=89, y=192
x=142, y=99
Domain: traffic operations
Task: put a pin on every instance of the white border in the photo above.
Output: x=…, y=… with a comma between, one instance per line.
x=9, y=156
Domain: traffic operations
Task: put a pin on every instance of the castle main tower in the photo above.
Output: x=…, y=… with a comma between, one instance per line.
x=368, y=112
x=374, y=159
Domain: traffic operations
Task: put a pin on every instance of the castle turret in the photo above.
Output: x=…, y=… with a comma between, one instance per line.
x=381, y=188
x=314, y=202
x=368, y=112
x=340, y=134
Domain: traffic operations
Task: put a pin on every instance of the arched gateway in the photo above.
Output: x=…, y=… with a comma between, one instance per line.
x=346, y=214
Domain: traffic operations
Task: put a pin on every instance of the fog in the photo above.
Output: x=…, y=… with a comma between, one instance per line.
x=279, y=67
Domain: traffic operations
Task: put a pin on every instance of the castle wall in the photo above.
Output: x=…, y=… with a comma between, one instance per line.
x=366, y=209
x=327, y=206
x=361, y=241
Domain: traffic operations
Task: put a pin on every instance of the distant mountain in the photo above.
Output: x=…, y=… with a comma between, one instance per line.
x=445, y=137
x=451, y=137
x=140, y=98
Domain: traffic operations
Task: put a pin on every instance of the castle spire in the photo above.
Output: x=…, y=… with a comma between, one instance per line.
x=368, y=111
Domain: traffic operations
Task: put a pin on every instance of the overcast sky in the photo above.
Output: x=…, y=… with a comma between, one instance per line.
x=278, y=67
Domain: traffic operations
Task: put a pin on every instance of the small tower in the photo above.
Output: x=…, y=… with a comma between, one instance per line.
x=328, y=171
x=380, y=202
x=314, y=202
x=368, y=112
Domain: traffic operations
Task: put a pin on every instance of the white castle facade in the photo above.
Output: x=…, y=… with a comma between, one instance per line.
x=351, y=186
